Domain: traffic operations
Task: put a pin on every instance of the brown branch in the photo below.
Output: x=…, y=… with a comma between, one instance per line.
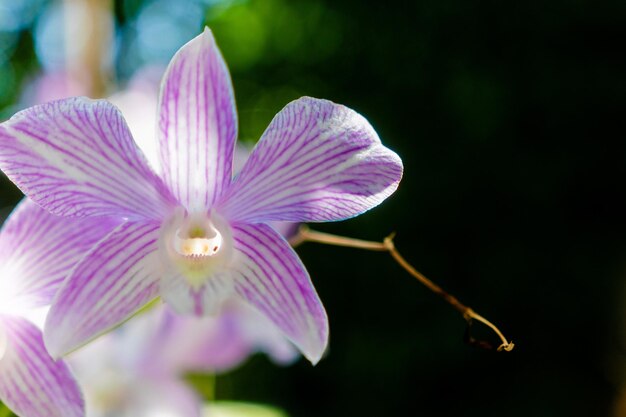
x=305, y=234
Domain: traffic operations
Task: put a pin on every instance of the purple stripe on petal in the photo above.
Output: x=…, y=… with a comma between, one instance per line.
x=202, y=301
x=317, y=161
x=269, y=275
x=76, y=157
x=32, y=384
x=115, y=279
x=197, y=125
x=38, y=249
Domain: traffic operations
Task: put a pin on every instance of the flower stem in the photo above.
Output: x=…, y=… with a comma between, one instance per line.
x=305, y=234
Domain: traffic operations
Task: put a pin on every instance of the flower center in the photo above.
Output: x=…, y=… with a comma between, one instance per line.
x=197, y=245
x=198, y=240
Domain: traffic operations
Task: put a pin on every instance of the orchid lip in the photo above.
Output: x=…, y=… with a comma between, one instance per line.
x=198, y=241
x=197, y=245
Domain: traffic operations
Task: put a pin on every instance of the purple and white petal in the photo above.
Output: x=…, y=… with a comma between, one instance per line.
x=317, y=161
x=32, y=384
x=269, y=275
x=121, y=377
x=263, y=335
x=287, y=230
x=201, y=301
x=112, y=282
x=217, y=343
x=76, y=157
x=242, y=153
x=199, y=344
x=38, y=249
x=197, y=125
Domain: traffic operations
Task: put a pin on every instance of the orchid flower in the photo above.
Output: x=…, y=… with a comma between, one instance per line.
x=37, y=250
x=192, y=234
x=123, y=373
x=138, y=369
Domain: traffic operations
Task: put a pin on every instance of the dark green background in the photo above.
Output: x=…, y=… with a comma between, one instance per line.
x=509, y=119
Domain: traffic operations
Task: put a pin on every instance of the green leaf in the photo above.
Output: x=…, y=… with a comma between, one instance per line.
x=240, y=409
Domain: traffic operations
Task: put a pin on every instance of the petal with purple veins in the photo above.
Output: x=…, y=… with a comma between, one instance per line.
x=202, y=300
x=38, y=249
x=112, y=282
x=197, y=125
x=269, y=275
x=32, y=384
x=317, y=161
x=76, y=157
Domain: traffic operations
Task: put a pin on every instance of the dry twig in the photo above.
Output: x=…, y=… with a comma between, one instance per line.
x=305, y=234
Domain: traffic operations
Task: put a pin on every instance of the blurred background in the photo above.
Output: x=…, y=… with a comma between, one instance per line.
x=513, y=199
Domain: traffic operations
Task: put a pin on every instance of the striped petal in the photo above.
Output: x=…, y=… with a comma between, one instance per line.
x=270, y=276
x=202, y=301
x=32, y=384
x=197, y=125
x=317, y=161
x=38, y=249
x=76, y=157
x=114, y=280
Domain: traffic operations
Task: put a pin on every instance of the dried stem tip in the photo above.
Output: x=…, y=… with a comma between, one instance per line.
x=305, y=234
